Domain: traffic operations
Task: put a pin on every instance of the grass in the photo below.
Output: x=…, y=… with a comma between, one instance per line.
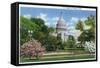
x=61, y=55
x=58, y=57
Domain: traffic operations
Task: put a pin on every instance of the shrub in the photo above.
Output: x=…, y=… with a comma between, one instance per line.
x=31, y=49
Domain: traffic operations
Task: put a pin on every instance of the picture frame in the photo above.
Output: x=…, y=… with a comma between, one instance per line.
x=53, y=41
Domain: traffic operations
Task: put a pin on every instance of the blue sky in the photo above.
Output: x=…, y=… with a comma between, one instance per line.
x=50, y=16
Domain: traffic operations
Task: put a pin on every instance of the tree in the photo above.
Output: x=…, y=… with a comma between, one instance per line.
x=41, y=32
x=31, y=49
x=91, y=22
x=25, y=25
x=52, y=43
x=71, y=42
x=41, y=24
x=51, y=29
x=79, y=25
x=86, y=34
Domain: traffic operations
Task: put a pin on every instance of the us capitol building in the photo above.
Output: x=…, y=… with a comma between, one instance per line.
x=61, y=29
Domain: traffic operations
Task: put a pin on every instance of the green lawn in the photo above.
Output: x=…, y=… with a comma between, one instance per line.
x=58, y=57
x=70, y=54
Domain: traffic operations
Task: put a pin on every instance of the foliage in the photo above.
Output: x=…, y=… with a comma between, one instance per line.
x=79, y=25
x=32, y=48
x=52, y=43
x=91, y=22
x=41, y=32
x=25, y=25
x=87, y=34
x=40, y=23
x=71, y=42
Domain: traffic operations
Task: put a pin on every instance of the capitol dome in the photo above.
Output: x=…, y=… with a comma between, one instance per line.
x=61, y=24
x=61, y=29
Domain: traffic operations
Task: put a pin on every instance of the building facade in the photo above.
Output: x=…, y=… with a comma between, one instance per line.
x=61, y=29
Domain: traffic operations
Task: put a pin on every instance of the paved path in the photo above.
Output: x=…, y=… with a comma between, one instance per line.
x=65, y=56
x=56, y=53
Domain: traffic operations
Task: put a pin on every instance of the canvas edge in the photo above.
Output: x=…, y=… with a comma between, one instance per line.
x=15, y=57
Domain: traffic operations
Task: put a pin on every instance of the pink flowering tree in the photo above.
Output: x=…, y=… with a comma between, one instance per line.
x=32, y=49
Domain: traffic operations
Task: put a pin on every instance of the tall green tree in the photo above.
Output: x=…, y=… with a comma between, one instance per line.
x=79, y=25
x=25, y=25
x=91, y=22
x=71, y=42
x=87, y=34
x=41, y=33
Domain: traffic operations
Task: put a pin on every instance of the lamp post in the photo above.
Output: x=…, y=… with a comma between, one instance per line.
x=30, y=33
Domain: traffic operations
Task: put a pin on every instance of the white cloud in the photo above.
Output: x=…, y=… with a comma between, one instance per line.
x=28, y=16
x=55, y=18
x=74, y=19
x=43, y=16
x=83, y=19
x=71, y=26
x=53, y=24
x=50, y=21
x=47, y=23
